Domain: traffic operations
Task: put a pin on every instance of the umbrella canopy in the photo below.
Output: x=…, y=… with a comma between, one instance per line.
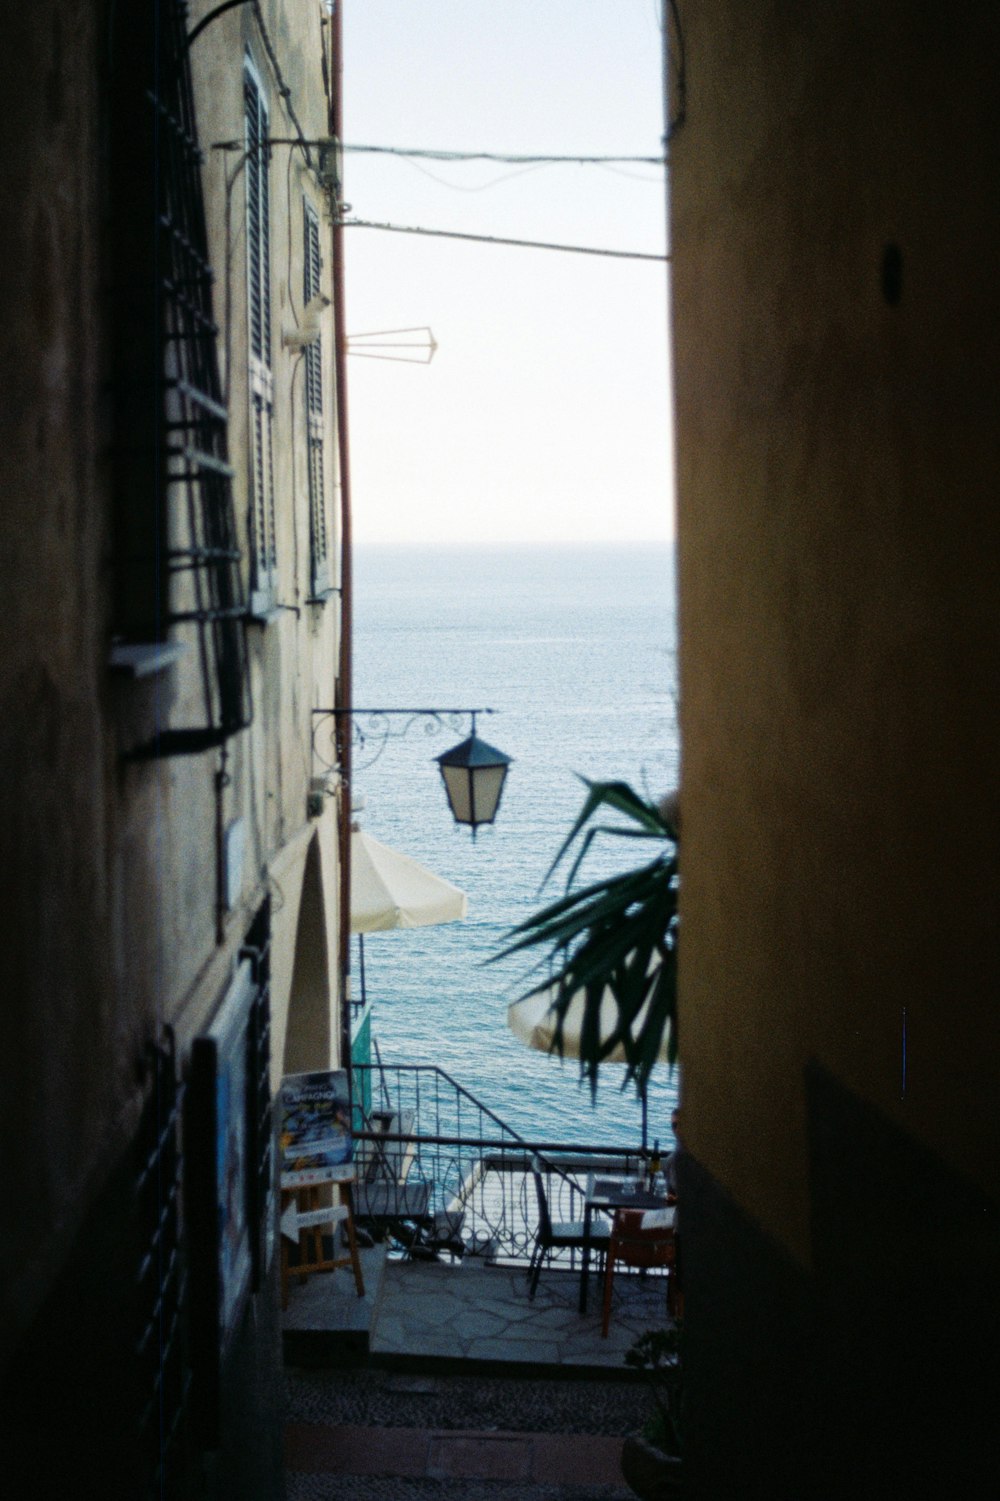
x=389, y=890
x=533, y=1021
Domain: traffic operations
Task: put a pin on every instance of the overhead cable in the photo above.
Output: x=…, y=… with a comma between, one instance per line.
x=502, y=156
x=453, y=234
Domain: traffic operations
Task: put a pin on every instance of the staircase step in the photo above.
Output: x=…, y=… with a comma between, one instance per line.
x=326, y=1323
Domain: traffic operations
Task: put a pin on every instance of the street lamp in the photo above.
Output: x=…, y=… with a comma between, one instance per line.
x=473, y=774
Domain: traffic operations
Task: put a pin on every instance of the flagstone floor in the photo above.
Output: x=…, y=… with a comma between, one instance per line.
x=466, y=1312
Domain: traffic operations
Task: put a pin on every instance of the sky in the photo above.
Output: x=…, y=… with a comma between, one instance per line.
x=544, y=415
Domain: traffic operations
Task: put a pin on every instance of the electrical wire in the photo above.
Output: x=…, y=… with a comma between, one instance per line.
x=632, y=176
x=479, y=187
x=411, y=156
x=284, y=91
x=451, y=234
x=512, y=158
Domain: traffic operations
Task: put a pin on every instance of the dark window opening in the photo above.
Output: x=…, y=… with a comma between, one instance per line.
x=178, y=577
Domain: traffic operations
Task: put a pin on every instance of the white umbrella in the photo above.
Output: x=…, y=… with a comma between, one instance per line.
x=533, y=1021
x=389, y=890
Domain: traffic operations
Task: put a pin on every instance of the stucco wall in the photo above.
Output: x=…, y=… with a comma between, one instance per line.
x=110, y=866
x=838, y=548
x=56, y=793
x=837, y=461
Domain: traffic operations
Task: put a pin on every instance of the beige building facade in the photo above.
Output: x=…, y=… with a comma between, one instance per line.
x=172, y=556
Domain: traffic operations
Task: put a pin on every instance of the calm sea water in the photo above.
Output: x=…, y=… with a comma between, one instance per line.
x=575, y=650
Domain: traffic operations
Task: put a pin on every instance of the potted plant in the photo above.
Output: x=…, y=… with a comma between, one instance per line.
x=651, y=1460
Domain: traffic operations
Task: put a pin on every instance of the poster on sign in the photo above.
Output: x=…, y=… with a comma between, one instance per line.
x=315, y=1127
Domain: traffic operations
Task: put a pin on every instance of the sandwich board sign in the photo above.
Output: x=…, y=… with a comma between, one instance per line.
x=315, y=1129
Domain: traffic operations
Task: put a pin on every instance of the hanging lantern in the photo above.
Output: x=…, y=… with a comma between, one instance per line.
x=473, y=774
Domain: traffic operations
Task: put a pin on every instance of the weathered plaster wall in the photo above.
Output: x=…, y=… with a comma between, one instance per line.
x=108, y=867
x=57, y=805
x=838, y=547
x=293, y=654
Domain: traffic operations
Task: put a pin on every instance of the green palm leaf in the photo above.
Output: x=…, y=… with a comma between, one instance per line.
x=615, y=935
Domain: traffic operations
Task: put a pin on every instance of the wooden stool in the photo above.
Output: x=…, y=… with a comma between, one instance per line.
x=312, y=1218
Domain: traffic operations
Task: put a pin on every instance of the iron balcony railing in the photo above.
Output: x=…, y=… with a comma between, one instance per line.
x=439, y=1171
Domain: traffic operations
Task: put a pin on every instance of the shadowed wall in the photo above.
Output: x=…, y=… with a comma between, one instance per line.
x=836, y=321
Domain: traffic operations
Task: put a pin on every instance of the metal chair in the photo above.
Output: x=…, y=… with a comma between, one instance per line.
x=635, y=1245
x=567, y=1235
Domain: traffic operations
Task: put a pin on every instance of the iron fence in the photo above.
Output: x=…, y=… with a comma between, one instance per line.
x=440, y=1172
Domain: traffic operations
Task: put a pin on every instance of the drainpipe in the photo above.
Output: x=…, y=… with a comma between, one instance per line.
x=344, y=699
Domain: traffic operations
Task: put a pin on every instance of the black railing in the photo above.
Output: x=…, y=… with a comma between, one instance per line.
x=440, y=1171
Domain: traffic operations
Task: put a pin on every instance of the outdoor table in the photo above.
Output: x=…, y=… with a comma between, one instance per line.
x=610, y=1194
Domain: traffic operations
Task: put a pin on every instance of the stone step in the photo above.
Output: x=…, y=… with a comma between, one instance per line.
x=326, y=1323
x=405, y=1462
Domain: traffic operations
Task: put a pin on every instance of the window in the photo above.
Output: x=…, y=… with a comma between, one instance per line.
x=180, y=596
x=312, y=265
x=263, y=582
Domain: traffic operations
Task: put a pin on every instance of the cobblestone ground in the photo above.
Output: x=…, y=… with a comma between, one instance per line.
x=389, y=1399
x=374, y=1488
x=367, y=1401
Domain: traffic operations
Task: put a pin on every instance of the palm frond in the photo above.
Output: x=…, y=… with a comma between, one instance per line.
x=616, y=936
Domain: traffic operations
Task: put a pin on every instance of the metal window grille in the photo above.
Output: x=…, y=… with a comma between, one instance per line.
x=178, y=573
x=311, y=287
x=265, y=551
x=161, y=1347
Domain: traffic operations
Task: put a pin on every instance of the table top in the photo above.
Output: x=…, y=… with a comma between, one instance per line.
x=609, y=1193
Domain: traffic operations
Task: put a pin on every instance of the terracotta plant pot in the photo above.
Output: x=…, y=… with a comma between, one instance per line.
x=651, y=1474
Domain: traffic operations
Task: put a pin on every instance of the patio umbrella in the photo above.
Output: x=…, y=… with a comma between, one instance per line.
x=533, y=1021
x=389, y=890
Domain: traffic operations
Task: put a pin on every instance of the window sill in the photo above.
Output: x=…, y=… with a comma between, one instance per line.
x=143, y=659
x=322, y=596
x=261, y=614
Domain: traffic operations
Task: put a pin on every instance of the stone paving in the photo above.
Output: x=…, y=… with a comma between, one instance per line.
x=383, y=1433
x=468, y=1311
x=448, y=1383
x=474, y=1312
x=378, y=1397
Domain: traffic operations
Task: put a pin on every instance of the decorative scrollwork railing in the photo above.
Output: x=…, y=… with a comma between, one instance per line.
x=441, y=1172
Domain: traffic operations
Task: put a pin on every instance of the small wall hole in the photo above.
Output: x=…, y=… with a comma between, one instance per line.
x=892, y=274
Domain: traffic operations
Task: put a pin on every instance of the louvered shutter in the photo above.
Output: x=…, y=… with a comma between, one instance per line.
x=265, y=552
x=311, y=285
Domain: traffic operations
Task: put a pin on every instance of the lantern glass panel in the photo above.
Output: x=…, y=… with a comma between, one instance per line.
x=487, y=785
x=474, y=792
x=458, y=785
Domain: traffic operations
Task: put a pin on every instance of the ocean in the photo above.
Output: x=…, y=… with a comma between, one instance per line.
x=574, y=648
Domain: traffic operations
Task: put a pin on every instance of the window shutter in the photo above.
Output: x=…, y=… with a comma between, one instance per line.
x=265, y=549
x=311, y=286
x=258, y=222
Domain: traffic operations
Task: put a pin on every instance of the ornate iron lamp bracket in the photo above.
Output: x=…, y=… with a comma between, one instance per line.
x=372, y=729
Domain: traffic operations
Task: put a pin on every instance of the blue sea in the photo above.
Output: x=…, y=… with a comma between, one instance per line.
x=574, y=648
